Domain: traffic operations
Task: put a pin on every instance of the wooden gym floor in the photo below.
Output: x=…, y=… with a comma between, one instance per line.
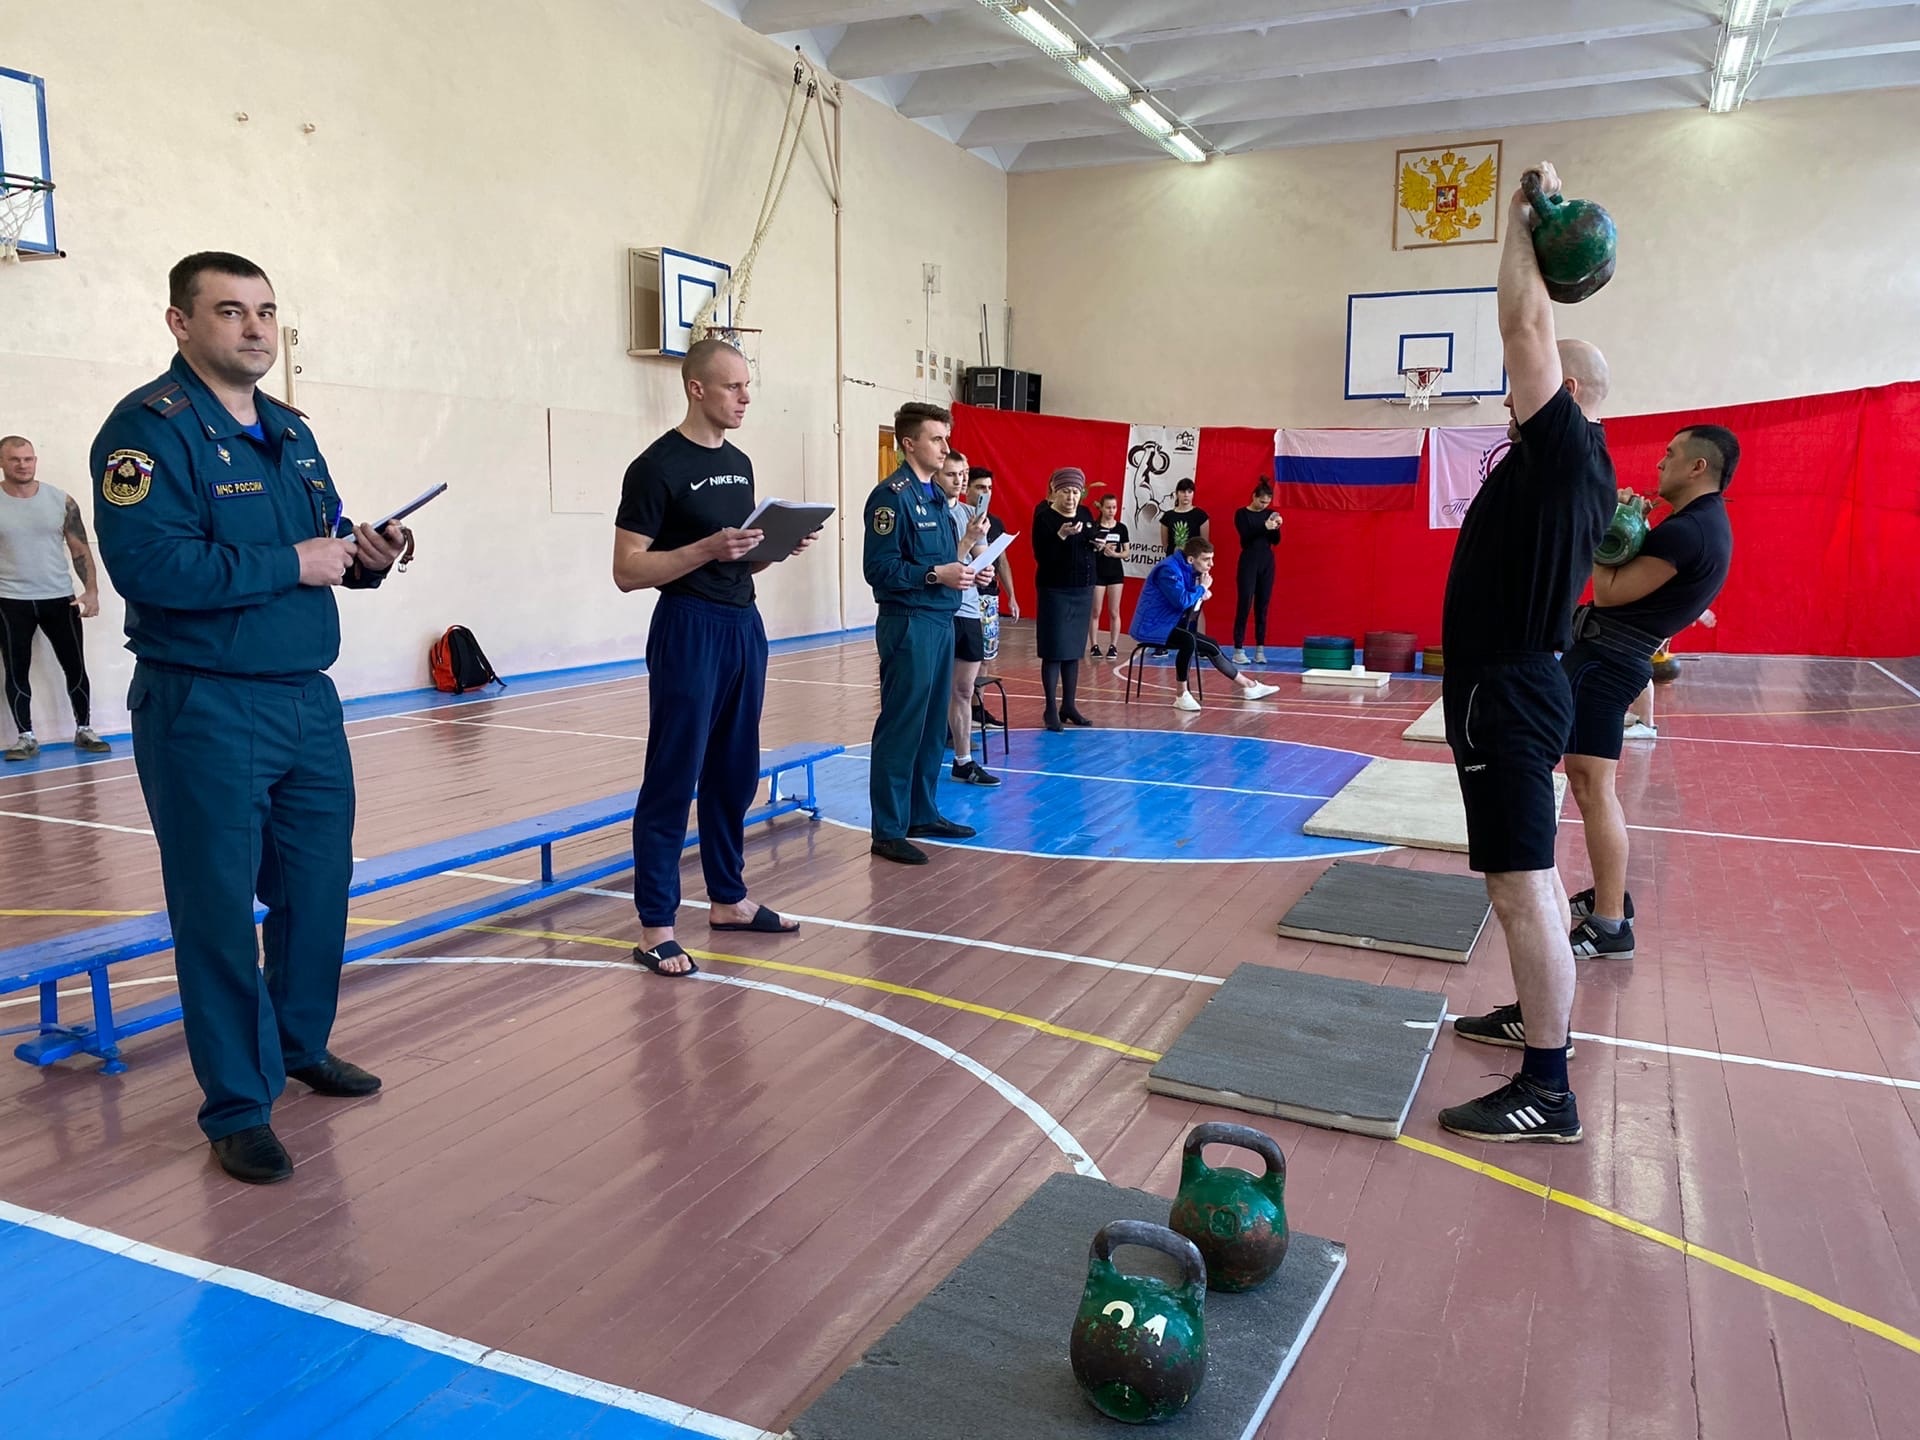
x=720, y=1192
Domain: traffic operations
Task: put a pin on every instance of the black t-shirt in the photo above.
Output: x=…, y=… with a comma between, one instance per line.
x=1698, y=543
x=1110, y=570
x=678, y=493
x=1257, y=542
x=1526, y=545
x=1179, y=526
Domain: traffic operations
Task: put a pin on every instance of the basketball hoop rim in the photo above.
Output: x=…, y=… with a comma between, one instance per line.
x=13, y=184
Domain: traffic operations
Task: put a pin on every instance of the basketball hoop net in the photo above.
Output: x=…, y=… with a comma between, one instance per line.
x=742, y=338
x=1423, y=383
x=20, y=200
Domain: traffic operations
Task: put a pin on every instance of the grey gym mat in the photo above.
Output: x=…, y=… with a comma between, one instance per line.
x=984, y=1357
x=1404, y=802
x=1431, y=726
x=1383, y=907
x=1337, y=1053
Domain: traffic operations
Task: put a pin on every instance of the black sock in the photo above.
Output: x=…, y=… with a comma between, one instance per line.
x=1546, y=1068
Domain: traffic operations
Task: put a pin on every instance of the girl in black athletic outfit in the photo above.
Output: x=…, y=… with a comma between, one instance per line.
x=1258, y=524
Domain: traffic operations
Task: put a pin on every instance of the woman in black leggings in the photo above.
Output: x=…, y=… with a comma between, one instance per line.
x=1258, y=525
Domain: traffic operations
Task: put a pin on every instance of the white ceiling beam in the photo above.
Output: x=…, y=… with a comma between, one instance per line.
x=776, y=17
x=1131, y=22
x=1890, y=71
x=912, y=44
x=1838, y=36
x=1613, y=62
x=1494, y=27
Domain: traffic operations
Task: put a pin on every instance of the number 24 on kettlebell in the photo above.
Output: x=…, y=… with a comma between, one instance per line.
x=1139, y=1344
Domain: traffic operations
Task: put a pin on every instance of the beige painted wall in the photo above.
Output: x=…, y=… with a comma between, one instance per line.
x=451, y=237
x=1765, y=253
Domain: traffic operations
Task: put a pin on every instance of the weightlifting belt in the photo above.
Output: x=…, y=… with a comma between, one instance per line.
x=1595, y=627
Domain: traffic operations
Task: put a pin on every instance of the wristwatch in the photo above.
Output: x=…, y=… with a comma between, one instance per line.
x=933, y=577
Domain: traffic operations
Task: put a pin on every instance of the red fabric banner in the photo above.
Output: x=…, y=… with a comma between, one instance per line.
x=1825, y=506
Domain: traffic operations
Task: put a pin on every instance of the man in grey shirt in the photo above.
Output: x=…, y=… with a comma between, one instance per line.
x=41, y=532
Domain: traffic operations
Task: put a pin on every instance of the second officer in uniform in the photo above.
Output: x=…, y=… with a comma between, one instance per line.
x=221, y=527
x=910, y=563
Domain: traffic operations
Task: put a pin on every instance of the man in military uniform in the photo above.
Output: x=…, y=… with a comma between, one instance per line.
x=911, y=564
x=222, y=529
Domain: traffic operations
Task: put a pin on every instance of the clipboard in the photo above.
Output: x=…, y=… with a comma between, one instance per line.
x=785, y=523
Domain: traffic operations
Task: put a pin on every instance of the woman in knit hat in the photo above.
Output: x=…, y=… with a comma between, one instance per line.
x=1064, y=550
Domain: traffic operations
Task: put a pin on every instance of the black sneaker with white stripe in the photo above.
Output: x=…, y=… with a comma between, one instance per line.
x=1590, y=942
x=1497, y=1027
x=1518, y=1111
x=1582, y=905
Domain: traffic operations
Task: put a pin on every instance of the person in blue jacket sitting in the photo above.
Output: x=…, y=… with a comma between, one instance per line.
x=1170, y=605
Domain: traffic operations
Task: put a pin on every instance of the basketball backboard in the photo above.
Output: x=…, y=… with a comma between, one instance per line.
x=26, y=156
x=669, y=287
x=1391, y=332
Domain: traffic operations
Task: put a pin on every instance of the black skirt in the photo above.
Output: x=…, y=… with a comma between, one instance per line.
x=1066, y=616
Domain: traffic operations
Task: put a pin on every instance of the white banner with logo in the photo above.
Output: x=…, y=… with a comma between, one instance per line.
x=1158, y=458
x=1459, y=459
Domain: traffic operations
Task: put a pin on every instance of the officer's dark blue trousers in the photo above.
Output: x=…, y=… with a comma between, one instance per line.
x=250, y=789
x=706, y=679
x=910, y=737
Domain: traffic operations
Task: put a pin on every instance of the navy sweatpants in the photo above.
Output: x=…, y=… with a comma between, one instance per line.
x=910, y=733
x=706, y=679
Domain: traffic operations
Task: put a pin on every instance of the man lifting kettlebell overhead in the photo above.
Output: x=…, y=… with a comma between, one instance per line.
x=1525, y=550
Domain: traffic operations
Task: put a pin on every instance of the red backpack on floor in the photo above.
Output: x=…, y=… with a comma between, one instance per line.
x=459, y=664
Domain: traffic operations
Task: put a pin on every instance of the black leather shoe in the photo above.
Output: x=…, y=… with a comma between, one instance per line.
x=334, y=1076
x=898, y=851
x=941, y=830
x=1074, y=717
x=254, y=1155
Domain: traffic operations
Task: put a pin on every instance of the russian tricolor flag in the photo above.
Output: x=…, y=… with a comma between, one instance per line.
x=1347, y=469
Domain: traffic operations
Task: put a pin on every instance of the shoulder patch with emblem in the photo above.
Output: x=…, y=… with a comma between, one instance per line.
x=883, y=520
x=128, y=477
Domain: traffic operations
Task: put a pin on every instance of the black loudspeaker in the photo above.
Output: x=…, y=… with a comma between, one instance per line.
x=994, y=387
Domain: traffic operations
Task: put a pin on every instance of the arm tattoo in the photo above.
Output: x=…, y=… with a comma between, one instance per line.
x=76, y=532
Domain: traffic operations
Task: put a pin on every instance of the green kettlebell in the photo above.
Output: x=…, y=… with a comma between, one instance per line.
x=1626, y=533
x=1139, y=1345
x=1575, y=241
x=1237, y=1220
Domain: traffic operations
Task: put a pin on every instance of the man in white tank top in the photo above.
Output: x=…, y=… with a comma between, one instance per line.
x=41, y=532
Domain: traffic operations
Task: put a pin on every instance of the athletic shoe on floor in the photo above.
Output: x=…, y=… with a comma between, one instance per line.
x=1590, y=942
x=1260, y=655
x=25, y=748
x=1259, y=692
x=971, y=774
x=1518, y=1111
x=1113, y=652
x=1497, y=1027
x=1185, y=702
x=1582, y=905
x=1640, y=730
x=1240, y=657
x=85, y=739
x=1093, y=652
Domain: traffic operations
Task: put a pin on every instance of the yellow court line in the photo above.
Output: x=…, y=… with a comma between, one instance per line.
x=1045, y=1027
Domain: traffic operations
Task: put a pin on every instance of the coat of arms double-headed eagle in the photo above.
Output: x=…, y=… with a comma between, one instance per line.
x=1444, y=196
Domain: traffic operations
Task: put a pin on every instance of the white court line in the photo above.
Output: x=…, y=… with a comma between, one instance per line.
x=1058, y=1134
x=1786, y=744
x=438, y=1342
x=541, y=730
x=1761, y=839
x=1895, y=678
x=78, y=824
x=85, y=991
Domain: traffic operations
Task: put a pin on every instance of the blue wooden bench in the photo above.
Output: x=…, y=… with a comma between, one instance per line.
x=94, y=951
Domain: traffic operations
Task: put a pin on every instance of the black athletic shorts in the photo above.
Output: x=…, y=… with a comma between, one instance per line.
x=1508, y=725
x=969, y=639
x=1604, y=683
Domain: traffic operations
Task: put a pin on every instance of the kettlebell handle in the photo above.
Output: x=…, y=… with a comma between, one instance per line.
x=1219, y=1132
x=1152, y=1237
x=1543, y=203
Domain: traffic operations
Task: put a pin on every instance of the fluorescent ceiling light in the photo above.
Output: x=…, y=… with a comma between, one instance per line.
x=1039, y=28
x=1736, y=52
x=1185, y=148
x=1742, y=13
x=1100, y=77
x=1723, y=95
x=1155, y=121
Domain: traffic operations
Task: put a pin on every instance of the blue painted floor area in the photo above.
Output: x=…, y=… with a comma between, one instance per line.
x=1131, y=795
x=99, y=1345
x=60, y=754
